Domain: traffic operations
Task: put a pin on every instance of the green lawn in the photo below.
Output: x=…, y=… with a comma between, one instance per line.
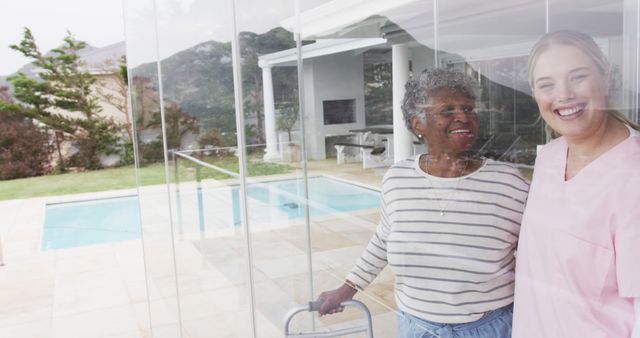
x=124, y=177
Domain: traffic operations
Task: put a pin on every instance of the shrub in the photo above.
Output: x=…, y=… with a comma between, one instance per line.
x=103, y=139
x=24, y=148
x=126, y=153
x=151, y=152
x=212, y=138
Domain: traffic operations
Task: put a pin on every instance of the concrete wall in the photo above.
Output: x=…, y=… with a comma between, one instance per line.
x=331, y=77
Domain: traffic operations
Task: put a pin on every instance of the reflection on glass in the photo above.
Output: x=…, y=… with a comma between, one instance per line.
x=322, y=124
x=162, y=295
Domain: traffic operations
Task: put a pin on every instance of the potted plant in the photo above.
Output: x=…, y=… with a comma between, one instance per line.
x=286, y=120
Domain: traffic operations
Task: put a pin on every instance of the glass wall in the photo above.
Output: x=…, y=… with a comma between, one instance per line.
x=155, y=205
x=275, y=121
x=182, y=85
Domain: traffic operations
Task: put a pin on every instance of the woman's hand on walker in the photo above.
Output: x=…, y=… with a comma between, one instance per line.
x=331, y=299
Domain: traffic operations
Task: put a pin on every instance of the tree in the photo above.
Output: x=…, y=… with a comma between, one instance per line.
x=177, y=124
x=147, y=107
x=146, y=104
x=378, y=93
x=200, y=79
x=5, y=94
x=145, y=100
x=113, y=89
x=287, y=118
x=212, y=139
x=63, y=86
x=24, y=148
x=253, y=45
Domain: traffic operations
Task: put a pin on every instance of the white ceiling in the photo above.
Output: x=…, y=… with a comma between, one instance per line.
x=462, y=24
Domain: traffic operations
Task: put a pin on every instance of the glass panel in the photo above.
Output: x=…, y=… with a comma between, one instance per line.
x=276, y=184
x=200, y=126
x=494, y=48
x=162, y=302
x=360, y=55
x=195, y=249
x=323, y=121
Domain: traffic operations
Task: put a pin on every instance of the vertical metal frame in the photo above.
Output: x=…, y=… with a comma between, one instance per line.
x=242, y=158
x=166, y=164
x=136, y=160
x=546, y=16
x=303, y=138
x=436, y=34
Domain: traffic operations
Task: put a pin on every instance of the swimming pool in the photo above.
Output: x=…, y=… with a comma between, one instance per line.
x=326, y=196
x=91, y=222
x=101, y=221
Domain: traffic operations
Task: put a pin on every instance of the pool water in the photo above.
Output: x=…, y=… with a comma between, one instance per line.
x=83, y=223
x=326, y=196
x=101, y=221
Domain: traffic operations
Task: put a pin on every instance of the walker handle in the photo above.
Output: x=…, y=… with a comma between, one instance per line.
x=315, y=305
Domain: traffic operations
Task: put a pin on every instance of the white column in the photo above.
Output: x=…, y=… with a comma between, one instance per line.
x=271, y=152
x=402, y=137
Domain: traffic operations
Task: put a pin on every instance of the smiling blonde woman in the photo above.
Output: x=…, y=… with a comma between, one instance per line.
x=577, y=268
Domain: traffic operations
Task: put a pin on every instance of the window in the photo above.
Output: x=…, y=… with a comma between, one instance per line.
x=339, y=111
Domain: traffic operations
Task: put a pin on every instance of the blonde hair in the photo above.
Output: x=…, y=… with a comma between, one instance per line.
x=586, y=45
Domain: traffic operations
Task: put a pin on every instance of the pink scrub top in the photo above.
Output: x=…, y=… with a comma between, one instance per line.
x=578, y=258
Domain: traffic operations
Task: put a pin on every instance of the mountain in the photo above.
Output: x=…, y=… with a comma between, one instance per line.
x=200, y=79
x=93, y=57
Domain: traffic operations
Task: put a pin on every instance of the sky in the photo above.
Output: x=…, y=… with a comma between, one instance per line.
x=185, y=23
x=97, y=22
x=182, y=24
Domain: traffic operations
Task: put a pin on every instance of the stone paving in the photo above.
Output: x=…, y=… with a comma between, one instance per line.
x=103, y=290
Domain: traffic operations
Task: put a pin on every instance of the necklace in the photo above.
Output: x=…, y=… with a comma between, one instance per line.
x=443, y=206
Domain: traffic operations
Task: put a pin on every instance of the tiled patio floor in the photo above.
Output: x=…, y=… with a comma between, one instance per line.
x=101, y=290
x=80, y=292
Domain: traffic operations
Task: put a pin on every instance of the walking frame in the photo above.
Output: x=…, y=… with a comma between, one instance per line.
x=314, y=307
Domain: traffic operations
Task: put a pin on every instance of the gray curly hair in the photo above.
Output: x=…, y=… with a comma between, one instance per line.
x=419, y=88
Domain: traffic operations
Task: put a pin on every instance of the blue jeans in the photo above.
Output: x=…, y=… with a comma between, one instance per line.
x=494, y=324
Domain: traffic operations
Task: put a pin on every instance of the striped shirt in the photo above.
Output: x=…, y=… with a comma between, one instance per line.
x=449, y=241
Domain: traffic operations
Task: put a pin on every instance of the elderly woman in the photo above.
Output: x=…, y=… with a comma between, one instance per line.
x=578, y=271
x=449, y=222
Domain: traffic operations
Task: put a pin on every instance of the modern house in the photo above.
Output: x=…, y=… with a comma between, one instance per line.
x=477, y=39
